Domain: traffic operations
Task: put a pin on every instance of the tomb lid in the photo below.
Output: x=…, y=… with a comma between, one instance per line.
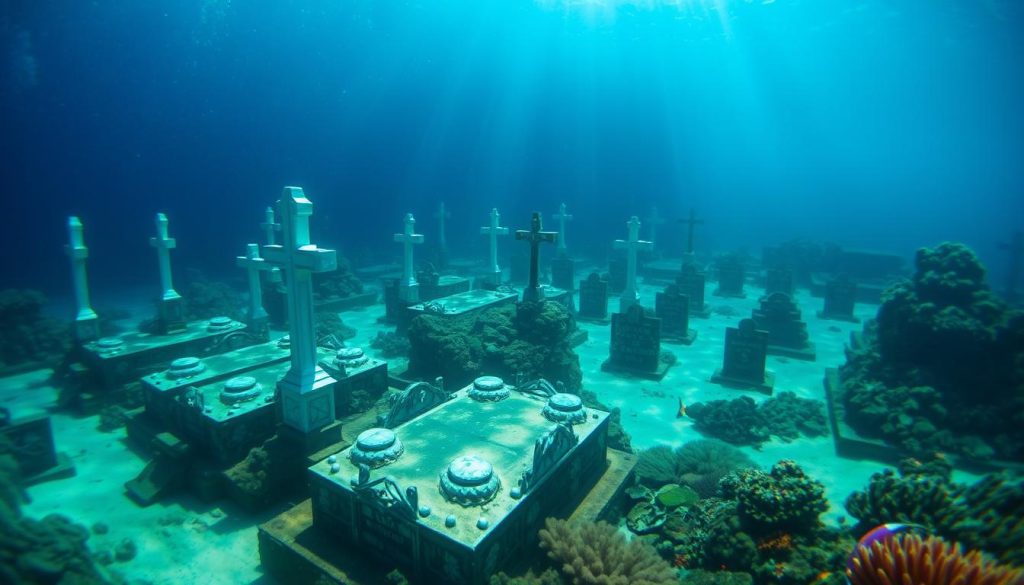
x=220, y=323
x=376, y=447
x=565, y=407
x=109, y=343
x=240, y=389
x=185, y=367
x=350, y=357
x=469, y=480
x=489, y=389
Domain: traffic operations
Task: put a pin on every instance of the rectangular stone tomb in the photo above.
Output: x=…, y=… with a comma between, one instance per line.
x=457, y=493
x=593, y=299
x=446, y=286
x=462, y=303
x=563, y=273
x=635, y=347
x=673, y=308
x=359, y=380
x=840, y=299
x=692, y=283
x=743, y=365
x=787, y=333
x=661, y=271
x=128, y=356
x=30, y=442
x=161, y=389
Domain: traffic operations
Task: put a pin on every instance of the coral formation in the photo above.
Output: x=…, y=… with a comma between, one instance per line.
x=207, y=299
x=340, y=283
x=942, y=366
x=329, y=323
x=784, y=499
x=742, y=421
x=391, y=344
x=596, y=553
x=529, y=339
x=987, y=515
x=27, y=336
x=698, y=464
x=907, y=558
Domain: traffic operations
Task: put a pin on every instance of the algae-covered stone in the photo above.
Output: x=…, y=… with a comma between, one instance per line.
x=645, y=517
x=675, y=495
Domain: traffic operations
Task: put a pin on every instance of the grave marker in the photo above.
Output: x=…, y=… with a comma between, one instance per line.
x=86, y=321
x=691, y=282
x=408, y=288
x=673, y=308
x=492, y=232
x=171, y=316
x=743, y=364
x=593, y=299
x=636, y=345
x=256, y=317
x=840, y=299
x=535, y=236
x=731, y=276
x=787, y=334
x=630, y=296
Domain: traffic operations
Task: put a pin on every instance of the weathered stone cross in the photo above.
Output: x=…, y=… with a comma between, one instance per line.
x=307, y=394
x=492, y=232
x=692, y=223
x=172, y=317
x=86, y=321
x=253, y=264
x=408, y=290
x=270, y=227
x=630, y=296
x=535, y=236
x=562, y=217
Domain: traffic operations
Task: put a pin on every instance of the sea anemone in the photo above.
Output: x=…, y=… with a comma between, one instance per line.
x=907, y=559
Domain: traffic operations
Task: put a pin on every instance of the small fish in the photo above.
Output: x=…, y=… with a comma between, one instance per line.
x=822, y=576
x=682, y=409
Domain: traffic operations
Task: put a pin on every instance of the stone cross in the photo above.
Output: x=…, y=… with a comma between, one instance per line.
x=654, y=220
x=535, y=236
x=492, y=232
x=253, y=265
x=408, y=290
x=307, y=392
x=442, y=215
x=691, y=224
x=171, y=310
x=86, y=321
x=630, y=296
x=562, y=217
x=270, y=227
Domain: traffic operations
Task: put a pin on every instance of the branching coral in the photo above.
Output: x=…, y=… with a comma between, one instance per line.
x=595, y=553
x=909, y=559
x=26, y=334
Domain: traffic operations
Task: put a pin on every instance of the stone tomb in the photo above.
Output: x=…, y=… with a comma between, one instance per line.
x=126, y=357
x=840, y=299
x=778, y=280
x=787, y=333
x=691, y=282
x=731, y=276
x=673, y=308
x=593, y=299
x=743, y=365
x=463, y=303
x=636, y=345
x=444, y=286
x=458, y=493
x=30, y=442
x=359, y=380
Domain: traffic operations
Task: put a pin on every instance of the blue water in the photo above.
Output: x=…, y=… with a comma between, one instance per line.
x=875, y=123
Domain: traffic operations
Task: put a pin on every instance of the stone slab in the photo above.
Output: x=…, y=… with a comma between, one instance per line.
x=766, y=387
x=464, y=302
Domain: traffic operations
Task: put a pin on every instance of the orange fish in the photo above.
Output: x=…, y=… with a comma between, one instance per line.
x=682, y=409
x=822, y=576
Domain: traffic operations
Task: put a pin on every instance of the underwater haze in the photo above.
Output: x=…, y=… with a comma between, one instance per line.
x=886, y=124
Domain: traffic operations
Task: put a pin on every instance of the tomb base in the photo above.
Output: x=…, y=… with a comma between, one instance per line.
x=805, y=353
x=313, y=440
x=837, y=317
x=702, y=313
x=664, y=363
x=688, y=339
x=765, y=386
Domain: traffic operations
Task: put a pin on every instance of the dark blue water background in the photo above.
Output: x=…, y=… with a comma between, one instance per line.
x=878, y=123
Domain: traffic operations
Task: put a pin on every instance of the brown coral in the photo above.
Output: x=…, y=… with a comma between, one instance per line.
x=907, y=559
x=595, y=553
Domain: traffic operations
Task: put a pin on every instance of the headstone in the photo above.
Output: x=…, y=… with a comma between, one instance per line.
x=691, y=282
x=743, y=365
x=171, y=316
x=630, y=295
x=306, y=391
x=563, y=272
x=636, y=345
x=535, y=235
x=492, y=232
x=617, y=274
x=593, y=299
x=787, y=333
x=30, y=443
x=562, y=217
x=731, y=276
x=673, y=308
x=256, y=317
x=86, y=322
x=408, y=288
x=778, y=280
x=840, y=299
x=442, y=215
x=689, y=257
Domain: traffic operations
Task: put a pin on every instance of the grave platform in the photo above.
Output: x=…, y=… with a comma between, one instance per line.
x=364, y=380
x=293, y=550
x=446, y=286
x=665, y=361
x=766, y=386
x=126, y=357
x=662, y=271
x=851, y=445
x=503, y=463
x=806, y=353
x=462, y=303
x=688, y=339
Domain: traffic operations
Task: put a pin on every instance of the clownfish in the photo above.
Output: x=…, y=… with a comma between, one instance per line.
x=880, y=533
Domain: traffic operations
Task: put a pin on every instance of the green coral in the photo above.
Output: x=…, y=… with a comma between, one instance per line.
x=785, y=499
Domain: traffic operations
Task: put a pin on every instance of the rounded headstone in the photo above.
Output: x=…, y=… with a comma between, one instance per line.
x=185, y=367
x=565, y=407
x=376, y=447
x=239, y=389
x=489, y=389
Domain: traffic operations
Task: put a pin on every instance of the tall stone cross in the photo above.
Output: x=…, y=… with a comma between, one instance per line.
x=86, y=321
x=172, y=311
x=535, y=236
x=654, y=220
x=307, y=392
x=492, y=232
x=408, y=289
x=270, y=226
x=632, y=245
x=691, y=223
x=562, y=217
x=253, y=264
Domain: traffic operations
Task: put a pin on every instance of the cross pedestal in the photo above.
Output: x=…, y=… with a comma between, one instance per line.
x=632, y=245
x=171, y=316
x=535, y=236
x=408, y=288
x=492, y=232
x=257, y=316
x=307, y=392
x=562, y=217
x=86, y=321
